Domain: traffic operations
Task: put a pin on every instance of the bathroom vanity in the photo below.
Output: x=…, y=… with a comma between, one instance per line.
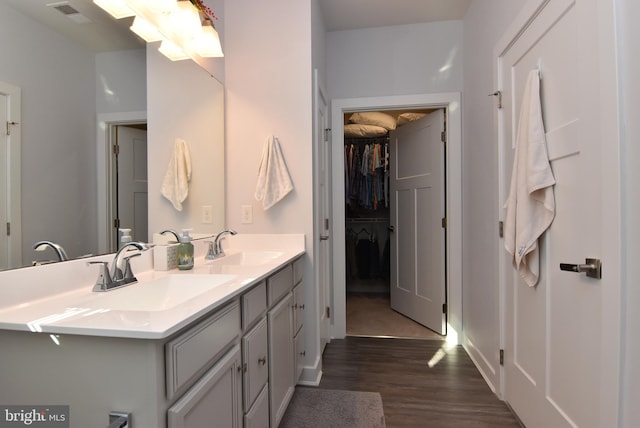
x=224, y=355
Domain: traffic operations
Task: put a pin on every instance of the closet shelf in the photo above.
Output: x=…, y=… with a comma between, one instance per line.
x=368, y=220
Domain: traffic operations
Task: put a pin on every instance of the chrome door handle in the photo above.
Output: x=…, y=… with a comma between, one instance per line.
x=592, y=267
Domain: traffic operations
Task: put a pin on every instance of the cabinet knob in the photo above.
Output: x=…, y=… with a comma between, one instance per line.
x=262, y=360
x=302, y=306
x=303, y=353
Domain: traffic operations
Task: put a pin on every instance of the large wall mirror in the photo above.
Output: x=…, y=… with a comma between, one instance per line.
x=84, y=80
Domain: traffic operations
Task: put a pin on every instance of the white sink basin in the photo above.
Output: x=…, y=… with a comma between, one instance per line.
x=157, y=294
x=249, y=258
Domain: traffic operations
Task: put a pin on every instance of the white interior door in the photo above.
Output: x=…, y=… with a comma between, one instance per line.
x=417, y=191
x=132, y=181
x=554, y=365
x=323, y=210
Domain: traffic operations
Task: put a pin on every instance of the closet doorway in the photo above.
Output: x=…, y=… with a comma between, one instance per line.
x=374, y=226
x=395, y=222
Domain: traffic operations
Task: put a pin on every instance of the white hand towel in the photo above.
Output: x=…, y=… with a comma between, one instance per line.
x=175, y=186
x=530, y=208
x=274, y=182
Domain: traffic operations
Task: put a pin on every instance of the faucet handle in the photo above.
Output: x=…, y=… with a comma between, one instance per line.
x=128, y=273
x=104, y=281
x=211, y=252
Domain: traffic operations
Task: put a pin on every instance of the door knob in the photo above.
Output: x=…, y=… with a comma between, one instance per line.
x=592, y=267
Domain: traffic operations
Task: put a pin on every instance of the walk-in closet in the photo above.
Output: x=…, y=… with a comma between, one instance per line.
x=368, y=230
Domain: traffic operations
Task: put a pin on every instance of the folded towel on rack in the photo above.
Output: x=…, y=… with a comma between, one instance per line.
x=175, y=186
x=274, y=182
x=530, y=208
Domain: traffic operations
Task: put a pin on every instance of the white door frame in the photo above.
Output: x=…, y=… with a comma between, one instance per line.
x=449, y=101
x=13, y=166
x=105, y=124
x=322, y=269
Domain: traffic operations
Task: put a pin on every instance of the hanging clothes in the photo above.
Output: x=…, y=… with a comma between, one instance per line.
x=366, y=172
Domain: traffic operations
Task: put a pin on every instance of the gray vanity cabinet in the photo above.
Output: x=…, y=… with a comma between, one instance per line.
x=233, y=367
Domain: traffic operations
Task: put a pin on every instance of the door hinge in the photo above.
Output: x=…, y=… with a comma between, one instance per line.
x=327, y=134
x=116, y=149
x=443, y=136
x=328, y=312
x=116, y=223
x=8, y=229
x=444, y=308
x=9, y=126
x=501, y=229
x=502, y=357
x=326, y=224
x=444, y=222
x=499, y=95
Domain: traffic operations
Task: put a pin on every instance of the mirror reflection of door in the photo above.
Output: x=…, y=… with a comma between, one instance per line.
x=130, y=182
x=10, y=201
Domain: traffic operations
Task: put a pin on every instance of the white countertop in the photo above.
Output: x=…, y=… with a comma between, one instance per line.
x=67, y=309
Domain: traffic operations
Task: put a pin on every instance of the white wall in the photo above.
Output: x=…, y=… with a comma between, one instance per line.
x=397, y=60
x=484, y=23
x=121, y=81
x=396, y=63
x=185, y=102
x=56, y=77
x=268, y=80
x=628, y=13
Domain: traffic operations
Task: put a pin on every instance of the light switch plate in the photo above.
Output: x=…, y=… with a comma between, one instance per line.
x=207, y=214
x=247, y=214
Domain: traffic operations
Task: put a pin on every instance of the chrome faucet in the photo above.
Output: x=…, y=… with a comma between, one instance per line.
x=62, y=255
x=173, y=232
x=215, y=246
x=121, y=273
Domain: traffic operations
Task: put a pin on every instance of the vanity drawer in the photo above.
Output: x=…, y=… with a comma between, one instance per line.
x=279, y=284
x=190, y=354
x=254, y=305
x=298, y=270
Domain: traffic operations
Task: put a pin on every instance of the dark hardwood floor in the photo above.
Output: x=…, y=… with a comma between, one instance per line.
x=450, y=393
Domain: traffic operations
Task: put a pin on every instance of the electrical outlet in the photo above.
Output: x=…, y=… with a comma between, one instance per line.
x=247, y=214
x=207, y=214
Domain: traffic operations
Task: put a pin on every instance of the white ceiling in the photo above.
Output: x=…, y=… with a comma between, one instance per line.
x=354, y=14
x=99, y=32
x=93, y=27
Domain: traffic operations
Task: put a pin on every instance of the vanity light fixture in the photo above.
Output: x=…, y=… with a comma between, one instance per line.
x=184, y=27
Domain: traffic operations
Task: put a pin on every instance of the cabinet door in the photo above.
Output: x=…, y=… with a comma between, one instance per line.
x=254, y=358
x=280, y=358
x=215, y=400
x=258, y=416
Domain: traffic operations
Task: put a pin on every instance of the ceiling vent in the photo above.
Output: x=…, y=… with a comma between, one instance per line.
x=70, y=12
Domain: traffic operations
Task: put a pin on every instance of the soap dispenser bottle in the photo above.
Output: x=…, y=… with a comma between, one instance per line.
x=185, y=251
x=125, y=237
